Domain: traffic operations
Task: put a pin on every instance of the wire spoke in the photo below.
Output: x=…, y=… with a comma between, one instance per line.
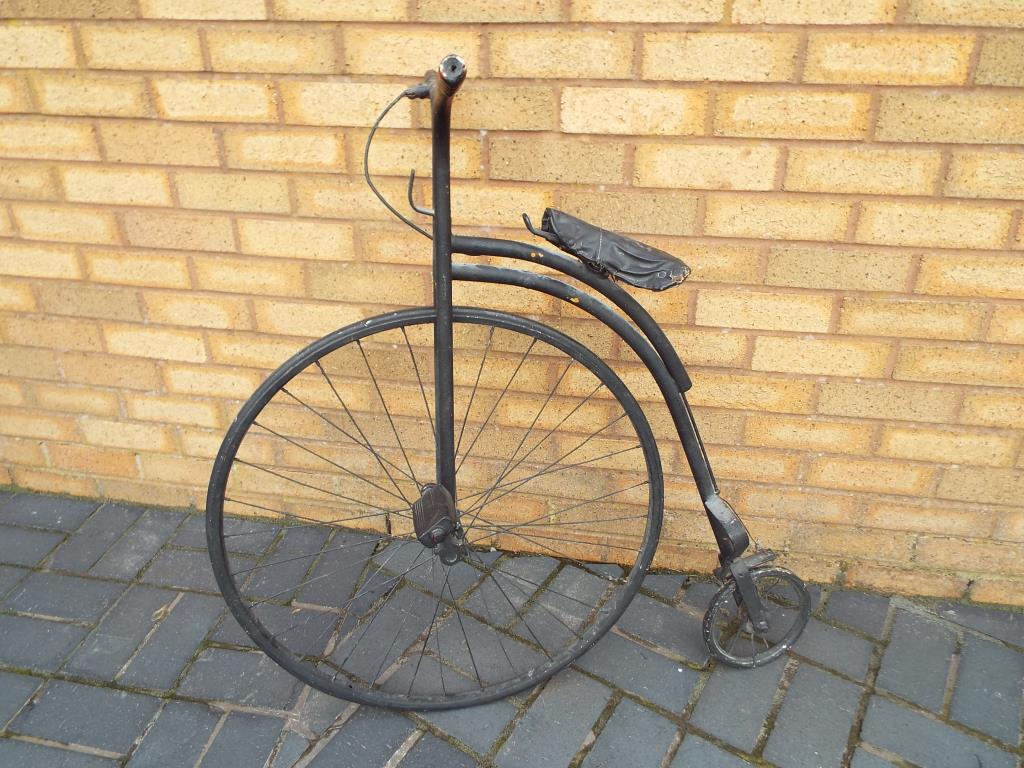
x=476, y=383
x=309, y=520
x=472, y=658
x=430, y=628
x=423, y=391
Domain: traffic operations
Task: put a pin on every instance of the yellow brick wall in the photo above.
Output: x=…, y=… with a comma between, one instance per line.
x=181, y=208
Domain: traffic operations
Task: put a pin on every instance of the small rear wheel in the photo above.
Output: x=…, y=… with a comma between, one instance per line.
x=729, y=634
x=365, y=580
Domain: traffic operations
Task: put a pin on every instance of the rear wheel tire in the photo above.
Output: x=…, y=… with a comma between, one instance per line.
x=559, y=495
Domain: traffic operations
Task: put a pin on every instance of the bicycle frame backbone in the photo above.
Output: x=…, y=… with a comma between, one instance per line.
x=640, y=331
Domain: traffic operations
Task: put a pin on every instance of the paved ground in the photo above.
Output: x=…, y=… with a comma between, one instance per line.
x=115, y=650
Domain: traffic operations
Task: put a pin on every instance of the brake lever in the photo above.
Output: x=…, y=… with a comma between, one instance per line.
x=412, y=203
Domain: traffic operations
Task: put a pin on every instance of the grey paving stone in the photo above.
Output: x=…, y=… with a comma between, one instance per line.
x=96, y=535
x=63, y=597
x=476, y=649
x=23, y=754
x=925, y=742
x=177, y=737
x=160, y=661
x=137, y=546
x=241, y=535
x=835, y=649
x=813, y=726
x=988, y=689
x=517, y=579
x=9, y=576
x=665, y=627
x=250, y=679
x=476, y=727
x=641, y=671
x=367, y=740
x=284, y=569
x=302, y=631
x=1006, y=625
x=864, y=759
x=696, y=752
x=41, y=511
x=401, y=558
x=93, y=717
x=21, y=546
x=666, y=585
x=181, y=569
x=318, y=711
x=292, y=748
x=634, y=736
x=735, y=703
x=112, y=643
x=556, y=725
x=916, y=663
x=36, y=644
x=244, y=740
x=431, y=752
x=560, y=611
x=859, y=610
x=698, y=594
x=15, y=690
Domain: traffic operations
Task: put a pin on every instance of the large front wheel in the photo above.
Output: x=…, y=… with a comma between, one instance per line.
x=557, y=517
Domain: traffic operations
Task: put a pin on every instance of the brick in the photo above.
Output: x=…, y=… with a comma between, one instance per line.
x=939, y=225
x=332, y=103
x=916, y=663
x=85, y=94
x=25, y=423
x=927, y=518
x=529, y=158
x=210, y=381
x=210, y=190
x=645, y=10
x=272, y=150
x=993, y=409
x=118, y=434
x=986, y=589
x=157, y=343
x=339, y=10
x=980, y=117
x=944, y=446
x=792, y=114
x=981, y=484
x=643, y=111
x=283, y=49
x=197, y=310
x=297, y=239
x=862, y=170
x=984, y=13
x=53, y=333
x=721, y=56
x=31, y=260
x=981, y=275
x=633, y=735
x=962, y=364
x=706, y=166
x=173, y=410
x=491, y=206
x=803, y=12
x=66, y=224
x=749, y=464
x=208, y=100
x=69, y=9
x=251, y=351
x=14, y=94
x=356, y=281
x=137, y=186
x=63, y=597
x=36, y=46
x=90, y=460
x=16, y=450
x=131, y=552
x=717, y=347
x=109, y=371
x=728, y=691
x=86, y=300
x=178, y=568
x=862, y=544
x=202, y=9
x=249, y=276
x=47, y=138
x=1007, y=325
x=26, y=181
x=878, y=475
x=250, y=679
x=22, y=362
x=789, y=504
x=829, y=267
x=1001, y=61
x=888, y=59
x=506, y=107
x=430, y=751
x=405, y=50
x=775, y=311
x=179, y=230
x=137, y=268
x=809, y=434
x=246, y=737
x=1009, y=526
x=986, y=174
x=586, y=54
x=156, y=143
x=11, y=393
x=179, y=736
x=142, y=46
x=396, y=154
x=727, y=390
x=303, y=319
x=984, y=697
x=903, y=319
x=37, y=644
x=697, y=751
x=661, y=213
x=776, y=218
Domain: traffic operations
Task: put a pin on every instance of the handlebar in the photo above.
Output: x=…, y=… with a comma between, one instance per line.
x=442, y=82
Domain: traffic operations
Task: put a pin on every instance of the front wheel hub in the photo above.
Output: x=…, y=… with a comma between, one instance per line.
x=436, y=521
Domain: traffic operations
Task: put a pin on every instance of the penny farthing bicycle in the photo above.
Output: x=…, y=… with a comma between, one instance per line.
x=464, y=500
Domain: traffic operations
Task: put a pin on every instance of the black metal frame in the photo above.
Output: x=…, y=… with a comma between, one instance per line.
x=641, y=331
